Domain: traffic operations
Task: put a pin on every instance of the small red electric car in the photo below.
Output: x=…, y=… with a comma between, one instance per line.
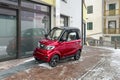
x=59, y=43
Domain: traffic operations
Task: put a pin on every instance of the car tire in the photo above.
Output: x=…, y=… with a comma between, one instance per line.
x=54, y=61
x=77, y=55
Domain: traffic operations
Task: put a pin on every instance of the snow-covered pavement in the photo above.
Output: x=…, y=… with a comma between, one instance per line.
x=95, y=64
x=109, y=69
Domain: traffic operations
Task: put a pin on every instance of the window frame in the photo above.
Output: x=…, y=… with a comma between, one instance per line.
x=89, y=27
x=90, y=9
x=111, y=6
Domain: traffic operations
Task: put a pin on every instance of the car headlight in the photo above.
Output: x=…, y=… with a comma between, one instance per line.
x=50, y=47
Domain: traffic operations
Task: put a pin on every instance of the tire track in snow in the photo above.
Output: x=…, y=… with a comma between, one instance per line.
x=102, y=61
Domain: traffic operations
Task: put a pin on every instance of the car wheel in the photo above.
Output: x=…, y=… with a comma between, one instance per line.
x=54, y=61
x=77, y=55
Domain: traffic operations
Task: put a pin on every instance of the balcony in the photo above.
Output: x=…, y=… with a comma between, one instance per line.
x=112, y=12
x=112, y=31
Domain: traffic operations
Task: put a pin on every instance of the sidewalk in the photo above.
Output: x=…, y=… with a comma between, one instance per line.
x=28, y=69
x=11, y=67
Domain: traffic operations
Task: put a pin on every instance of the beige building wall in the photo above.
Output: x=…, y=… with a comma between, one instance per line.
x=111, y=15
x=95, y=17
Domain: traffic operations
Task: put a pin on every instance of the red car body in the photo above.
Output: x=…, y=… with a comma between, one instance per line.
x=62, y=48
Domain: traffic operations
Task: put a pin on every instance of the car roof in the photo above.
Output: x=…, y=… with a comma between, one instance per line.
x=67, y=28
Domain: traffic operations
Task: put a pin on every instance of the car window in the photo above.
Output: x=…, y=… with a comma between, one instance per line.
x=54, y=34
x=64, y=37
x=72, y=36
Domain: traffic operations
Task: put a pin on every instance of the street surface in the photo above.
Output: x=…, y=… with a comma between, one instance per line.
x=94, y=64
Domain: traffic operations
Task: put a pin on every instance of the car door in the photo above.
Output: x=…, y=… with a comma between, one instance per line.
x=63, y=48
x=71, y=43
x=68, y=45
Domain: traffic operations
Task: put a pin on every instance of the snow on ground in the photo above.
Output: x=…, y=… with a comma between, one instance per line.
x=28, y=70
x=63, y=71
x=45, y=65
x=115, y=56
x=109, y=69
x=28, y=60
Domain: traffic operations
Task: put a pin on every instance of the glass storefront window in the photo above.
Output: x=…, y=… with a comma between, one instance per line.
x=7, y=34
x=14, y=2
x=33, y=28
x=35, y=22
x=35, y=6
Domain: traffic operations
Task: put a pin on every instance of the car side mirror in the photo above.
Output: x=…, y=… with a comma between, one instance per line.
x=45, y=35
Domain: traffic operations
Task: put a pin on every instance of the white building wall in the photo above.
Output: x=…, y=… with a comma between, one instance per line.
x=73, y=9
x=96, y=18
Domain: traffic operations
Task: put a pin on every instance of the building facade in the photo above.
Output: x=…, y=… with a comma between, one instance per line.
x=111, y=26
x=103, y=19
x=71, y=13
x=94, y=18
x=23, y=22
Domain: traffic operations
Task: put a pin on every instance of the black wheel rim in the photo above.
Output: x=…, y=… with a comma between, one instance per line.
x=78, y=55
x=54, y=61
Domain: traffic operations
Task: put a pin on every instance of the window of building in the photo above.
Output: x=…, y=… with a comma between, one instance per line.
x=111, y=24
x=112, y=10
x=30, y=26
x=7, y=34
x=112, y=6
x=63, y=21
x=14, y=2
x=33, y=27
x=89, y=26
x=35, y=6
x=112, y=27
x=90, y=9
x=113, y=38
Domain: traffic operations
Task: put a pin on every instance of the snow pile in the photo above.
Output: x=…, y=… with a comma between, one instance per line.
x=108, y=69
x=28, y=70
x=45, y=65
x=115, y=61
x=28, y=60
x=63, y=71
x=115, y=57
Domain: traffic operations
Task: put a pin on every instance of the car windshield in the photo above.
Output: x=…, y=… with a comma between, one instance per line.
x=54, y=34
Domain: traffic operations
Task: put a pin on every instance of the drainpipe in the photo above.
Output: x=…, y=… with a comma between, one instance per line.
x=57, y=13
x=82, y=21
